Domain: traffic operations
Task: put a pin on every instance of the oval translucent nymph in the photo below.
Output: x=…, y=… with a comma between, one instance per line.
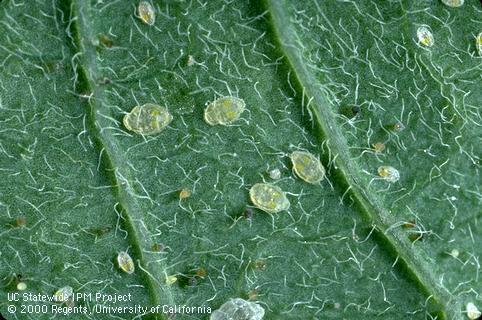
x=478, y=43
x=473, y=312
x=275, y=174
x=307, y=166
x=269, y=198
x=146, y=13
x=238, y=309
x=453, y=3
x=454, y=253
x=63, y=294
x=397, y=127
x=147, y=119
x=21, y=286
x=21, y=222
x=190, y=61
x=125, y=262
x=389, y=173
x=425, y=36
x=224, y=110
x=184, y=193
x=170, y=280
x=378, y=147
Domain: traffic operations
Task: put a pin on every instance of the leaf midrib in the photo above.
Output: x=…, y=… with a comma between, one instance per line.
x=147, y=262
x=372, y=211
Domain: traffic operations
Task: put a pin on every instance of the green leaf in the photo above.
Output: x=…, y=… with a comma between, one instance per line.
x=330, y=77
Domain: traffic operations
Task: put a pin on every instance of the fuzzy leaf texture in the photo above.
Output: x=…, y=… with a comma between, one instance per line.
x=340, y=79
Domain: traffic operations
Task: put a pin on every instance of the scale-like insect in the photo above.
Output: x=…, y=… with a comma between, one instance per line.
x=248, y=213
x=20, y=222
x=147, y=119
x=63, y=294
x=425, y=36
x=478, y=43
x=224, y=110
x=453, y=3
x=397, y=127
x=146, y=13
x=388, y=173
x=157, y=247
x=190, y=61
x=238, y=309
x=275, y=174
x=125, y=262
x=21, y=286
x=473, y=312
x=307, y=166
x=378, y=147
x=454, y=253
x=170, y=280
x=184, y=193
x=269, y=198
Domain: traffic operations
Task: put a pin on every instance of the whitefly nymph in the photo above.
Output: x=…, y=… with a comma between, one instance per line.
x=146, y=13
x=125, y=262
x=21, y=286
x=269, y=198
x=478, y=43
x=453, y=3
x=425, y=36
x=224, y=110
x=147, y=119
x=238, y=309
x=473, y=313
x=275, y=174
x=389, y=173
x=63, y=294
x=307, y=166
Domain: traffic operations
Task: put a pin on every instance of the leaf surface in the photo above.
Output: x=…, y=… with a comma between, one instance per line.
x=330, y=77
